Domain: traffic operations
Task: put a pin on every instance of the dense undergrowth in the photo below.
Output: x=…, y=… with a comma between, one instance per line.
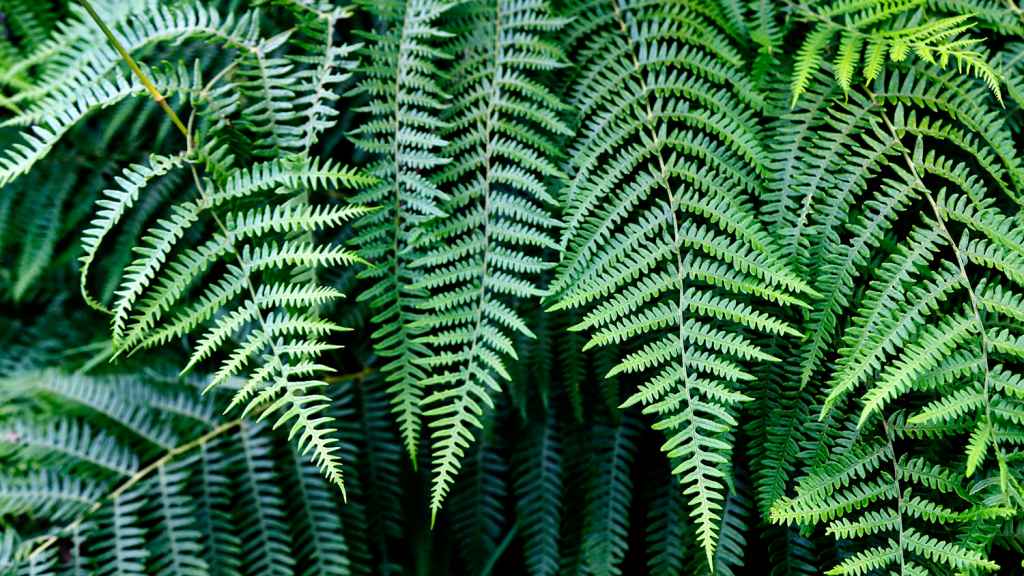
x=511, y=287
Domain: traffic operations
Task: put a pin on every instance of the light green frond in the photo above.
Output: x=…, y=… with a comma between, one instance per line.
x=878, y=27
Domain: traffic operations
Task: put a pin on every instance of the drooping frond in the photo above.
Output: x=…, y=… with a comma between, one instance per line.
x=242, y=231
x=666, y=529
x=93, y=393
x=48, y=494
x=35, y=224
x=374, y=447
x=255, y=241
x=488, y=252
x=403, y=132
x=262, y=515
x=664, y=260
x=213, y=489
x=178, y=514
x=78, y=55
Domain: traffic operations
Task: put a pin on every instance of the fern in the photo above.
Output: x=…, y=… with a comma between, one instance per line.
x=123, y=551
x=872, y=474
x=538, y=491
x=177, y=547
x=902, y=313
x=488, y=251
x=321, y=541
x=222, y=544
x=869, y=33
x=666, y=528
x=262, y=512
x=666, y=262
x=884, y=328
x=477, y=510
x=462, y=250
x=160, y=276
x=70, y=442
x=608, y=500
x=403, y=132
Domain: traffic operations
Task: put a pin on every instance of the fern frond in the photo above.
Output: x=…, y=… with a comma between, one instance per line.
x=665, y=531
x=93, y=393
x=53, y=120
x=68, y=442
x=266, y=545
x=917, y=317
x=666, y=260
x=876, y=27
x=79, y=57
x=176, y=549
x=318, y=533
x=48, y=494
x=114, y=205
x=403, y=81
x=121, y=550
x=871, y=475
x=608, y=500
x=374, y=449
x=538, y=490
x=159, y=278
x=488, y=251
x=478, y=511
x=222, y=545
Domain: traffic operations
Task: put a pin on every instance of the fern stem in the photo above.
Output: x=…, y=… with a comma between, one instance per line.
x=358, y=376
x=496, y=555
x=150, y=87
x=901, y=546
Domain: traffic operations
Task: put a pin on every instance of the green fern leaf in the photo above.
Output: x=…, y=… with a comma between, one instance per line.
x=488, y=251
x=665, y=260
x=403, y=132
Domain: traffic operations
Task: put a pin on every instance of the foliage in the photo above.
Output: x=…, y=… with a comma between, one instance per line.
x=511, y=287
